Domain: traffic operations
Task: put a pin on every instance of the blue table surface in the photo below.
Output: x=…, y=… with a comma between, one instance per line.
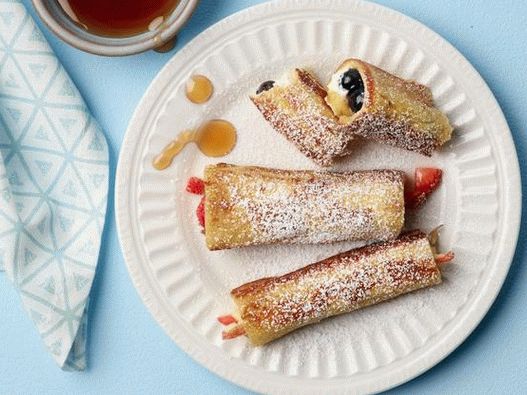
x=129, y=352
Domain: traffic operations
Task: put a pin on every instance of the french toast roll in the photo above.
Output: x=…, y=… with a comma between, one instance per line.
x=247, y=205
x=377, y=105
x=270, y=308
x=295, y=107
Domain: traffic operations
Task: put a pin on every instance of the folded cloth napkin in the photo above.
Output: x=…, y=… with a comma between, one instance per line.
x=53, y=187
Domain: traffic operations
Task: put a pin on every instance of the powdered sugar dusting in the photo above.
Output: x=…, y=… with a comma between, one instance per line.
x=361, y=341
x=259, y=144
x=271, y=307
x=298, y=111
x=249, y=205
x=398, y=133
x=395, y=111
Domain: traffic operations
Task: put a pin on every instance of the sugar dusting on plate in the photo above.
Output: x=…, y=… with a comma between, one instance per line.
x=259, y=144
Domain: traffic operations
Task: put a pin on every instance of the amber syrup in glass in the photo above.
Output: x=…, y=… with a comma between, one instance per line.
x=119, y=18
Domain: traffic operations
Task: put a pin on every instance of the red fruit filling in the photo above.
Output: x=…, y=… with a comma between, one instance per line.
x=195, y=185
x=227, y=319
x=200, y=212
x=427, y=180
x=233, y=333
x=445, y=258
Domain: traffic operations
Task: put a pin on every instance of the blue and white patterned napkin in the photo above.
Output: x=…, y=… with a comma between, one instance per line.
x=53, y=187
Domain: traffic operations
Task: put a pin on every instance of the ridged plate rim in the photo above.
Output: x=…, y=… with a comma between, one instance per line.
x=237, y=371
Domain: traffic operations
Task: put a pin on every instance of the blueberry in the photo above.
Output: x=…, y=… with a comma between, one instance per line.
x=355, y=99
x=351, y=79
x=352, y=82
x=264, y=86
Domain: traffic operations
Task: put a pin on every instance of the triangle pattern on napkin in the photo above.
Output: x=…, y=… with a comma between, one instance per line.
x=53, y=187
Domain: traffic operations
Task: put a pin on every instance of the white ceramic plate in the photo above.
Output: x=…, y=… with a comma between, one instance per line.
x=186, y=287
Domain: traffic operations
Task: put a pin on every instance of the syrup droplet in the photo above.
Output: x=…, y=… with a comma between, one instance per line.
x=214, y=138
x=199, y=89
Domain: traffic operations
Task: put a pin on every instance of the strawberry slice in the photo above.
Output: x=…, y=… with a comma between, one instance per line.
x=200, y=212
x=233, y=333
x=427, y=180
x=227, y=319
x=445, y=258
x=195, y=185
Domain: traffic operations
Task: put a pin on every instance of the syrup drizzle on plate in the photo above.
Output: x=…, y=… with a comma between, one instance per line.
x=214, y=138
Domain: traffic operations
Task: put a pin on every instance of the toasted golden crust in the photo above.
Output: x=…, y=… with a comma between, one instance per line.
x=247, y=205
x=272, y=307
x=395, y=111
x=298, y=111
